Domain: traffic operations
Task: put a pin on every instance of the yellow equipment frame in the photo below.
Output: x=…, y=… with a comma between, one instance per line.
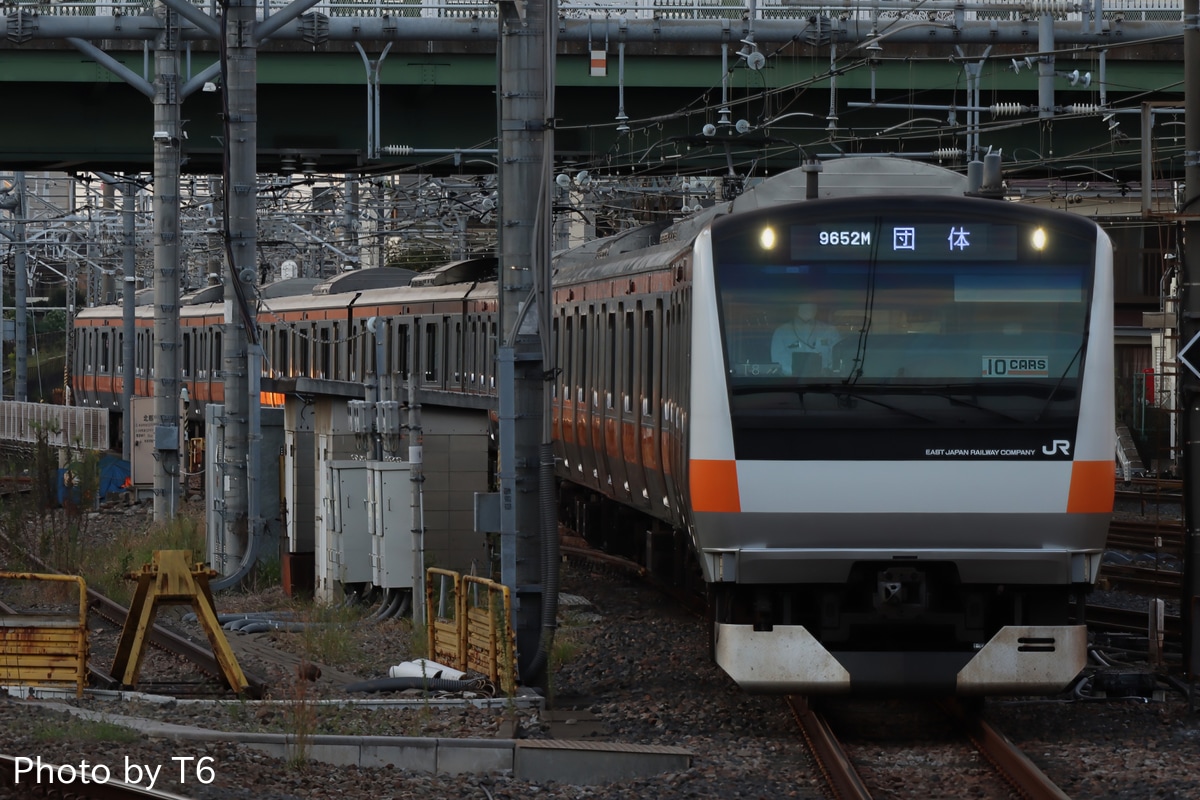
x=45, y=649
x=168, y=580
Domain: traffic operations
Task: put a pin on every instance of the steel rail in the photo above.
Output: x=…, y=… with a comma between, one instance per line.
x=203, y=658
x=1157, y=582
x=109, y=790
x=1021, y=773
x=1127, y=620
x=835, y=766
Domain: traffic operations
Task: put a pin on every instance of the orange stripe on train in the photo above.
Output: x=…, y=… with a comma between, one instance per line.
x=714, y=486
x=1092, y=486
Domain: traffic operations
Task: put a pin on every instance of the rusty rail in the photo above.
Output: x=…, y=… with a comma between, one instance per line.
x=1021, y=773
x=840, y=776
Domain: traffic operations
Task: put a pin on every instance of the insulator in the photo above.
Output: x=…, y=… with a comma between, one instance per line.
x=948, y=154
x=1059, y=7
x=1084, y=108
x=1008, y=109
x=397, y=150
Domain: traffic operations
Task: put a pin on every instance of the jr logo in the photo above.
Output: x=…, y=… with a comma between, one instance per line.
x=1058, y=446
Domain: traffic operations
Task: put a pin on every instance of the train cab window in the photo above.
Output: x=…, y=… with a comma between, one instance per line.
x=187, y=355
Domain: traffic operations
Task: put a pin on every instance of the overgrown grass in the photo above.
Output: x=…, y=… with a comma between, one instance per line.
x=330, y=637
x=74, y=729
x=107, y=564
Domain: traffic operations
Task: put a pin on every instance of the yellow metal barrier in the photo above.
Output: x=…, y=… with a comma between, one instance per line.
x=45, y=649
x=479, y=636
x=443, y=589
x=491, y=644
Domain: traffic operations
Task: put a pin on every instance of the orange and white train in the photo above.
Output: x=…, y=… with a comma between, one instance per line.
x=878, y=423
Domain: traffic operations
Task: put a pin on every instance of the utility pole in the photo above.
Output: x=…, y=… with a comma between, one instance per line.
x=20, y=293
x=1189, y=327
x=168, y=139
x=526, y=463
x=128, y=316
x=242, y=353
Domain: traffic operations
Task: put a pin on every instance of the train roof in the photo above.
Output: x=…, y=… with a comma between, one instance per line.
x=651, y=245
x=358, y=280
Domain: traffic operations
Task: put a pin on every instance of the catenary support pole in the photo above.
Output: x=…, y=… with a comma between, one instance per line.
x=1189, y=326
x=168, y=137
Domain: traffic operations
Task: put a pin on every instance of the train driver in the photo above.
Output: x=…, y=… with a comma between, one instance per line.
x=803, y=345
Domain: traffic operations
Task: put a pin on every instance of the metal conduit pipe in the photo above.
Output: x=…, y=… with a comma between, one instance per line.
x=388, y=609
x=378, y=613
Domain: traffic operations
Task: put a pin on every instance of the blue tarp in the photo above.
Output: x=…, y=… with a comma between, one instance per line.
x=113, y=472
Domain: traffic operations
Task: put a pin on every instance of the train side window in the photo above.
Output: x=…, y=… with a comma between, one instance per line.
x=493, y=344
x=630, y=371
x=302, y=346
x=335, y=367
x=649, y=367
x=582, y=383
x=429, y=357
x=323, y=355
x=567, y=356
x=402, y=351
x=119, y=353
x=281, y=361
x=187, y=355
x=104, y=351
x=218, y=354
x=456, y=352
x=610, y=358
x=556, y=354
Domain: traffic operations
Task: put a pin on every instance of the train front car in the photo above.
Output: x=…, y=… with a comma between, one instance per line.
x=901, y=447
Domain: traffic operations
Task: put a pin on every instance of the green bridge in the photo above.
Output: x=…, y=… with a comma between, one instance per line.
x=658, y=86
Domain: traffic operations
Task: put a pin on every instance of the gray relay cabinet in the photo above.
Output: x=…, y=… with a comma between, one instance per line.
x=348, y=540
x=396, y=558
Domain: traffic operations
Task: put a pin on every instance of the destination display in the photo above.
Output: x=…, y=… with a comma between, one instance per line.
x=943, y=240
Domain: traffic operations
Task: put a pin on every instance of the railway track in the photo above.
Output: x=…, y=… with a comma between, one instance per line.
x=837, y=764
x=204, y=660
x=21, y=775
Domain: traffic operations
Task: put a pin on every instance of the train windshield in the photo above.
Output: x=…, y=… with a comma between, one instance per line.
x=906, y=313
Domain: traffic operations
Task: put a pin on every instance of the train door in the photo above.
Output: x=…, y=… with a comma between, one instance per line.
x=632, y=405
x=651, y=427
x=615, y=392
x=583, y=404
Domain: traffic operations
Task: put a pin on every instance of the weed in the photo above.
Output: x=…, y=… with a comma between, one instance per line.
x=329, y=638
x=74, y=729
x=300, y=720
x=107, y=563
